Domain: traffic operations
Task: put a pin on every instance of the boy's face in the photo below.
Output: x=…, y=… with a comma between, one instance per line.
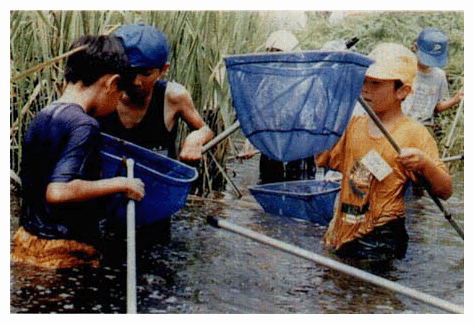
x=142, y=81
x=380, y=94
x=419, y=63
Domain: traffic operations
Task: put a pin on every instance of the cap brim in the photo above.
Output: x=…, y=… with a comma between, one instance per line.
x=375, y=71
x=430, y=60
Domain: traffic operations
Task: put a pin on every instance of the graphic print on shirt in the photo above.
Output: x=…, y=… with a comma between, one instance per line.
x=360, y=179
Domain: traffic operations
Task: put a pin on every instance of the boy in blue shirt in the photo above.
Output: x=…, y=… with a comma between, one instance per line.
x=60, y=173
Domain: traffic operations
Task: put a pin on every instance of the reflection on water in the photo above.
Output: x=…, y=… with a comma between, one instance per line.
x=208, y=270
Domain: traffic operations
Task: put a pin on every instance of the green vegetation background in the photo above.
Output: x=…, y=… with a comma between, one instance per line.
x=199, y=40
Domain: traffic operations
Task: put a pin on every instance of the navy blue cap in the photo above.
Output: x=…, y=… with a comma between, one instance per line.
x=144, y=45
x=433, y=47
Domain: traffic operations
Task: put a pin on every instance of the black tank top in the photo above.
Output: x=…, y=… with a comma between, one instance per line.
x=151, y=131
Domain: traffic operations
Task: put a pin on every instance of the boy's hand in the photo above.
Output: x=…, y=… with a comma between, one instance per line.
x=135, y=189
x=438, y=179
x=412, y=159
x=460, y=94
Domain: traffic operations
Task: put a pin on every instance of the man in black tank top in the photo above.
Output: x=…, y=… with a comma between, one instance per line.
x=148, y=112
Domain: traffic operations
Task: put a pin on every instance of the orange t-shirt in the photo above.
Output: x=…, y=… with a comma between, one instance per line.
x=365, y=202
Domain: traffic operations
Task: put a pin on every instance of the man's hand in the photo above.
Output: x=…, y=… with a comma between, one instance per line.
x=192, y=146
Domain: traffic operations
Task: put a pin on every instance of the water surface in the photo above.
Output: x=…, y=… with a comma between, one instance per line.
x=205, y=270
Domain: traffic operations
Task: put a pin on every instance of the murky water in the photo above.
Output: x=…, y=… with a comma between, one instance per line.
x=205, y=270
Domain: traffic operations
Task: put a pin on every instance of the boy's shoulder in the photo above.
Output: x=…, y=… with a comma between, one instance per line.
x=176, y=93
x=408, y=125
x=435, y=72
x=67, y=113
x=358, y=120
x=175, y=89
x=413, y=123
x=414, y=132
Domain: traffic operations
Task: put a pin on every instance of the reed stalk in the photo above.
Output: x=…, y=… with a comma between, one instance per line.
x=199, y=40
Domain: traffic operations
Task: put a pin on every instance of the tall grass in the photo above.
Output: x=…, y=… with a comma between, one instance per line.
x=401, y=27
x=199, y=40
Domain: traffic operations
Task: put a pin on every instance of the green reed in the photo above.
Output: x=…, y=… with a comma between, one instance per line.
x=199, y=40
x=401, y=27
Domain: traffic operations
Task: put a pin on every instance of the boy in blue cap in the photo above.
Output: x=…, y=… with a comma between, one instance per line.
x=61, y=178
x=148, y=112
x=430, y=93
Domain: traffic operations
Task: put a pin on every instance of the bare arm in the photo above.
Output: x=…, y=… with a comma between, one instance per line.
x=439, y=180
x=448, y=103
x=82, y=190
x=180, y=101
x=192, y=146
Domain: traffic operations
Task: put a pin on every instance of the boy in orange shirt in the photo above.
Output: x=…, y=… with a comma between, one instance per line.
x=369, y=223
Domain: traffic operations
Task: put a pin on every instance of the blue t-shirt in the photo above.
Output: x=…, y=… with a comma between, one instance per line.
x=61, y=144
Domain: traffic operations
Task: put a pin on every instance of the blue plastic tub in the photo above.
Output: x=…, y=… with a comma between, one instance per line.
x=167, y=181
x=311, y=200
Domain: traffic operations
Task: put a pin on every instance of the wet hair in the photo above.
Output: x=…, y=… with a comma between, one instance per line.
x=103, y=55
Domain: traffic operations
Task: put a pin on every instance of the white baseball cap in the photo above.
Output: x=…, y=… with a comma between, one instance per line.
x=282, y=40
x=393, y=62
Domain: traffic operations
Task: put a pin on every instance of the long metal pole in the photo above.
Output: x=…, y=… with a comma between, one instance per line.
x=448, y=144
x=131, y=258
x=338, y=266
x=216, y=140
x=453, y=158
x=387, y=135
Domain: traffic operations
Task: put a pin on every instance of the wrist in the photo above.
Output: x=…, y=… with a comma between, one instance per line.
x=120, y=184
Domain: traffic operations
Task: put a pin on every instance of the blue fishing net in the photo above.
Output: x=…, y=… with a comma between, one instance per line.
x=295, y=105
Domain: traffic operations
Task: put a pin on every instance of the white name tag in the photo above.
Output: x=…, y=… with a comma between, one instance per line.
x=376, y=165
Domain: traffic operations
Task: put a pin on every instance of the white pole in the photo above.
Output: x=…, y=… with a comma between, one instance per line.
x=338, y=266
x=131, y=258
x=448, y=144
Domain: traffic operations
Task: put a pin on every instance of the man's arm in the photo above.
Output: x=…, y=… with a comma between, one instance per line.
x=180, y=101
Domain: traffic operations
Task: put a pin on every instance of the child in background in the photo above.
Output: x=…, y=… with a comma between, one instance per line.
x=277, y=171
x=430, y=92
x=60, y=171
x=369, y=223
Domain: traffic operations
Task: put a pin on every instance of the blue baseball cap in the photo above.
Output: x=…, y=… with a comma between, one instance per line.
x=433, y=47
x=144, y=45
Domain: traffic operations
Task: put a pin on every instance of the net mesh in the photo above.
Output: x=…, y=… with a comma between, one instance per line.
x=295, y=105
